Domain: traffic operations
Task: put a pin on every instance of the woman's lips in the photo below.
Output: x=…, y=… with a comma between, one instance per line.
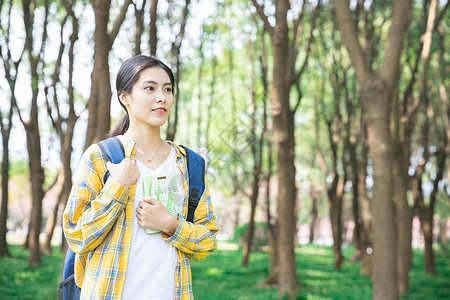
x=160, y=110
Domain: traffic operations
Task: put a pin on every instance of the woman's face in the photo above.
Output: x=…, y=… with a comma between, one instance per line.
x=150, y=99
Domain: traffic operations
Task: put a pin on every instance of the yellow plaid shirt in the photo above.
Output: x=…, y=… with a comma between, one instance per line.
x=98, y=221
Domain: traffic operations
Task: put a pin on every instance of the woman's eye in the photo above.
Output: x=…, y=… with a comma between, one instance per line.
x=149, y=88
x=168, y=90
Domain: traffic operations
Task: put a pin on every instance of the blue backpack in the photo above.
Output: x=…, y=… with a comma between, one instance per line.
x=114, y=152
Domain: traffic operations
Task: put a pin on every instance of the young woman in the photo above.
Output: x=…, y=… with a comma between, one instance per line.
x=129, y=246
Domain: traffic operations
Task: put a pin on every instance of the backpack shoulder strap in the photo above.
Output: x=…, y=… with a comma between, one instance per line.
x=196, y=173
x=113, y=149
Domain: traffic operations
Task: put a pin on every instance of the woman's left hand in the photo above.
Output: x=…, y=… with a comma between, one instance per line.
x=153, y=215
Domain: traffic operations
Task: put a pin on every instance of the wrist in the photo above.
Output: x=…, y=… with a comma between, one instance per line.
x=171, y=226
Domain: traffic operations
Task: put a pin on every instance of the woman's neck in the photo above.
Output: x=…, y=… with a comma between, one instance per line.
x=146, y=138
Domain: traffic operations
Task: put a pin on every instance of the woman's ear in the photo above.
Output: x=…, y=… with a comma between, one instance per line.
x=123, y=97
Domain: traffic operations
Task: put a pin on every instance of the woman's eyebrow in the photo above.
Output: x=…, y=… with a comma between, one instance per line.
x=154, y=82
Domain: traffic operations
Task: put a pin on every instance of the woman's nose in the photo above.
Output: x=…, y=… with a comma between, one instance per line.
x=160, y=97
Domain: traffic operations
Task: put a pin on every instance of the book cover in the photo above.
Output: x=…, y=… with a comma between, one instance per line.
x=163, y=188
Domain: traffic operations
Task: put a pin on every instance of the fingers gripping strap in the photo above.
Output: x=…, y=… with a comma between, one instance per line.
x=196, y=172
x=113, y=149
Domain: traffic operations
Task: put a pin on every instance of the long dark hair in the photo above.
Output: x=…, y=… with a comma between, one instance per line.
x=127, y=76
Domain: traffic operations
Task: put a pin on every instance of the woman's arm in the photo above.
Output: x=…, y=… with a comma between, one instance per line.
x=197, y=239
x=92, y=208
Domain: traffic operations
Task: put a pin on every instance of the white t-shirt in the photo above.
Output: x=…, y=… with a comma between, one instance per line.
x=152, y=260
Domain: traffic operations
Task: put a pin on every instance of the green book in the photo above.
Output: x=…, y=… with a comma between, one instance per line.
x=162, y=188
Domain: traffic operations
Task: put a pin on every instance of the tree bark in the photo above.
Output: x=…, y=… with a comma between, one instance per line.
x=32, y=131
x=314, y=213
x=99, y=104
x=175, y=58
x=283, y=131
x=64, y=125
x=272, y=279
x=366, y=209
x=384, y=275
x=153, y=38
x=377, y=89
x=284, y=55
x=140, y=16
x=6, y=130
x=11, y=68
x=256, y=145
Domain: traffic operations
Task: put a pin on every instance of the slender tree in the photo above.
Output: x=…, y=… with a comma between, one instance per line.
x=139, y=13
x=64, y=125
x=284, y=75
x=153, y=38
x=11, y=68
x=100, y=98
x=31, y=124
x=377, y=89
x=256, y=147
x=175, y=61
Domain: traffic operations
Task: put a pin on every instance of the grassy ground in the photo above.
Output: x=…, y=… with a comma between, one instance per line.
x=220, y=276
x=18, y=281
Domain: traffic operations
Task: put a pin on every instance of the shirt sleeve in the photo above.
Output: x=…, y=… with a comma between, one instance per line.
x=197, y=239
x=92, y=208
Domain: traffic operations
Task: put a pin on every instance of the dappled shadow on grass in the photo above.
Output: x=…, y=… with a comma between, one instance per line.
x=18, y=281
x=221, y=276
x=431, y=286
x=319, y=279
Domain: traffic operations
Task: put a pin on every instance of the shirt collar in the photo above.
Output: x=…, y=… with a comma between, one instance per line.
x=130, y=150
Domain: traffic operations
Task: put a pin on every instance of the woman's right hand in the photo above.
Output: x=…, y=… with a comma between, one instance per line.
x=126, y=172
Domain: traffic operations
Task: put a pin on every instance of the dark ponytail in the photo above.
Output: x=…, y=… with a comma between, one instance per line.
x=127, y=76
x=121, y=126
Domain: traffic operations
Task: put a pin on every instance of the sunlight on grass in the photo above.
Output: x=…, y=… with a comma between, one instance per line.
x=213, y=271
x=18, y=281
x=221, y=276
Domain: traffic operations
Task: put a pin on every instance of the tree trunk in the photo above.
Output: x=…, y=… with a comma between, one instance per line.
x=384, y=231
x=64, y=125
x=426, y=224
x=314, y=213
x=5, y=179
x=335, y=193
x=11, y=68
x=153, y=29
x=404, y=224
x=256, y=146
x=140, y=16
x=284, y=75
x=32, y=131
x=272, y=279
x=283, y=130
x=100, y=98
x=366, y=215
x=377, y=90
x=246, y=249
x=64, y=184
x=175, y=56
x=37, y=193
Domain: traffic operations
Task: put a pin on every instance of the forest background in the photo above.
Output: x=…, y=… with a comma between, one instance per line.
x=321, y=122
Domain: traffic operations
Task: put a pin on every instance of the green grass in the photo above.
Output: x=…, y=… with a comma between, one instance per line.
x=220, y=276
x=18, y=281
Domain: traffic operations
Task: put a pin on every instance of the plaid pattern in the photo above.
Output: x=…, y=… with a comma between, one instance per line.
x=97, y=224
